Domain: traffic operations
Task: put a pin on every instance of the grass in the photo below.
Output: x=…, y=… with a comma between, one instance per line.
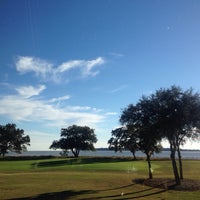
x=89, y=179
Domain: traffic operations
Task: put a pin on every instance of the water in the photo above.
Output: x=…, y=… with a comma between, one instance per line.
x=194, y=154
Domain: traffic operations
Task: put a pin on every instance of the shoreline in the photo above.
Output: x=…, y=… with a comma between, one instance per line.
x=122, y=158
x=191, y=155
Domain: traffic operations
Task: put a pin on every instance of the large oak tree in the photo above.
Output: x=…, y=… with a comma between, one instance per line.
x=12, y=139
x=178, y=114
x=172, y=114
x=75, y=138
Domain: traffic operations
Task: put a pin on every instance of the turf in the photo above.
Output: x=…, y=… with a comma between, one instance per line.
x=89, y=178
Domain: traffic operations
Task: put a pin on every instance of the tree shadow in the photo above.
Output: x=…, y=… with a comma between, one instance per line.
x=163, y=183
x=63, y=195
x=117, y=188
x=127, y=196
x=53, y=163
x=130, y=195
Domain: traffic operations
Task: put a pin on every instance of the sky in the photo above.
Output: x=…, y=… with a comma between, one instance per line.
x=81, y=62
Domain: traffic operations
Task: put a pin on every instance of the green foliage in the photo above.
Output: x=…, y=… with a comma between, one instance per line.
x=12, y=139
x=178, y=114
x=170, y=113
x=122, y=139
x=140, y=122
x=75, y=138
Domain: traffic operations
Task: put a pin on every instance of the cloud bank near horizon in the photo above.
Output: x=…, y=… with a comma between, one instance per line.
x=27, y=106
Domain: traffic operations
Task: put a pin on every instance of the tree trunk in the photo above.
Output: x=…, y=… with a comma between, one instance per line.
x=149, y=166
x=180, y=163
x=134, y=156
x=173, y=159
x=75, y=152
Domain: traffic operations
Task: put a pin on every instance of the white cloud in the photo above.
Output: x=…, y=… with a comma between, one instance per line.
x=79, y=108
x=66, y=97
x=25, y=64
x=111, y=113
x=29, y=91
x=89, y=65
x=22, y=107
x=69, y=65
x=48, y=71
x=85, y=66
x=16, y=107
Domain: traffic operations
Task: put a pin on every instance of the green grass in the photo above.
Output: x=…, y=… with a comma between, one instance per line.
x=88, y=178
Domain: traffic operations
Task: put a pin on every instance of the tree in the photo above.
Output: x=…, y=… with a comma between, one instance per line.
x=172, y=114
x=12, y=139
x=140, y=121
x=178, y=119
x=122, y=139
x=190, y=121
x=75, y=138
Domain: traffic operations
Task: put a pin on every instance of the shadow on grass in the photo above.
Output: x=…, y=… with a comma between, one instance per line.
x=63, y=195
x=70, y=194
x=127, y=196
x=96, y=194
x=77, y=161
x=117, y=188
x=130, y=195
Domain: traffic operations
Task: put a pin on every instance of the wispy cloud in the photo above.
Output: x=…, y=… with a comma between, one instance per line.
x=29, y=91
x=86, y=67
x=66, y=97
x=111, y=113
x=21, y=107
x=116, y=54
x=118, y=89
x=25, y=64
x=66, y=66
x=87, y=70
x=48, y=71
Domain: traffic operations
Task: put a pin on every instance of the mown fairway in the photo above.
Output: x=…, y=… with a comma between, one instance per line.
x=88, y=178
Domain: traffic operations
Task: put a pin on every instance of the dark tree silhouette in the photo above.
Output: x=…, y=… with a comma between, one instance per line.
x=178, y=120
x=122, y=139
x=75, y=138
x=140, y=121
x=12, y=139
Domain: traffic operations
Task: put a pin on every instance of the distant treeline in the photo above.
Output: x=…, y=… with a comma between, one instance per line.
x=164, y=149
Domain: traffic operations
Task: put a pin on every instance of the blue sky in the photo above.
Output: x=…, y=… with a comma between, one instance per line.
x=80, y=62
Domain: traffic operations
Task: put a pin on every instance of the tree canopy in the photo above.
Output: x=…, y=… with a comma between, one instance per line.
x=75, y=138
x=178, y=114
x=12, y=139
x=123, y=139
x=139, y=120
x=172, y=114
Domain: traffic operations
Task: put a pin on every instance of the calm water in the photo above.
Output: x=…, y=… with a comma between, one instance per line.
x=106, y=153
